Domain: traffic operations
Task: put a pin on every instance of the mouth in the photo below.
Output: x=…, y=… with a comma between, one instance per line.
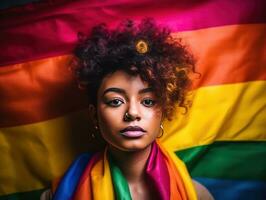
x=133, y=131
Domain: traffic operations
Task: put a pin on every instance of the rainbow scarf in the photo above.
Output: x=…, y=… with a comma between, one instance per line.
x=97, y=177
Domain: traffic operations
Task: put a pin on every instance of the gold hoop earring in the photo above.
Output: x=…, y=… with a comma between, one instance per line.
x=162, y=131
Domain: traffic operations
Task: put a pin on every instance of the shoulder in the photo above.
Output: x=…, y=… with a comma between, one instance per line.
x=202, y=192
x=46, y=195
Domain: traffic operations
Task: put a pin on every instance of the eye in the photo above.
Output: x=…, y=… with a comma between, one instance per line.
x=115, y=102
x=148, y=102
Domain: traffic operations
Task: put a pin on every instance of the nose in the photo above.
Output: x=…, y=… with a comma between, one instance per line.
x=132, y=113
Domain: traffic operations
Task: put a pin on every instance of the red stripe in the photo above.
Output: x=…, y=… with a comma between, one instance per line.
x=46, y=29
x=44, y=89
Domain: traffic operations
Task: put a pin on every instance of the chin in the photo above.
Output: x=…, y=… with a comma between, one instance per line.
x=131, y=146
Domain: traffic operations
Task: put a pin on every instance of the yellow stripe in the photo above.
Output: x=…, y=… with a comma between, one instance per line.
x=34, y=154
x=101, y=180
x=231, y=112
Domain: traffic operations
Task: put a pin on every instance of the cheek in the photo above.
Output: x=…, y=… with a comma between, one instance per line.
x=108, y=120
x=109, y=124
x=155, y=115
x=104, y=117
x=153, y=119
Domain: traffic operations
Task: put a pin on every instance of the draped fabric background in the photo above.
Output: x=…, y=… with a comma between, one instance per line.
x=43, y=117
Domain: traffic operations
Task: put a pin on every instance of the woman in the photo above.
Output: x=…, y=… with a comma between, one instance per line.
x=134, y=75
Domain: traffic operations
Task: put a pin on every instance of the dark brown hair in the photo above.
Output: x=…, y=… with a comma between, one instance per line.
x=165, y=66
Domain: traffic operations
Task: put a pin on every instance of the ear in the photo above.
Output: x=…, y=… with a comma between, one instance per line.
x=92, y=114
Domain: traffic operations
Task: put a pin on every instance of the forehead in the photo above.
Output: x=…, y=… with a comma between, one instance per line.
x=123, y=80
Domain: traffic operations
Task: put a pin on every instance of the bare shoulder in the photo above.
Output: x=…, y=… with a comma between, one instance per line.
x=46, y=195
x=202, y=192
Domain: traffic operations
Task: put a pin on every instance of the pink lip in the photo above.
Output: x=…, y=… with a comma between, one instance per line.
x=132, y=134
x=133, y=128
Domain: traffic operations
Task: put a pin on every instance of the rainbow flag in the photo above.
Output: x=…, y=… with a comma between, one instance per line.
x=43, y=117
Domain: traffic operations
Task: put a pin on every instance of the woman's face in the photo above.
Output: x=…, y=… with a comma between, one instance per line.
x=121, y=93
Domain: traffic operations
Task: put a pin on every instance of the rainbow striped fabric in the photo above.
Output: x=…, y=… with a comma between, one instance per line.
x=43, y=119
x=98, y=177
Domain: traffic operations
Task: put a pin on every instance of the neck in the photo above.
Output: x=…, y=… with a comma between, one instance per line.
x=132, y=164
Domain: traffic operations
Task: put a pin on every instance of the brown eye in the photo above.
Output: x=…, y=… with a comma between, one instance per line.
x=148, y=102
x=115, y=102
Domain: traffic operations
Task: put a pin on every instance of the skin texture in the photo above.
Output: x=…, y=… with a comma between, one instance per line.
x=130, y=154
x=134, y=100
x=202, y=192
x=133, y=96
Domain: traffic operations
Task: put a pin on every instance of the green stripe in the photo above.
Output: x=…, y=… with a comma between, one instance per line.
x=227, y=160
x=32, y=195
x=120, y=184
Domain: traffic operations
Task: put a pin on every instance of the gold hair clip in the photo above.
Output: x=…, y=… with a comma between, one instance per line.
x=142, y=46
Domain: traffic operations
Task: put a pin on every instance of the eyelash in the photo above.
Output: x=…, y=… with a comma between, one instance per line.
x=151, y=100
x=110, y=103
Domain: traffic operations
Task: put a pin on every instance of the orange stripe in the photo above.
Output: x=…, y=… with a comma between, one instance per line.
x=177, y=187
x=174, y=190
x=84, y=188
x=44, y=89
x=55, y=183
x=37, y=91
x=228, y=54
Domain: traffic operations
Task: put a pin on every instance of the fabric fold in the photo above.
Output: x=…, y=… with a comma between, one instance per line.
x=157, y=173
x=101, y=178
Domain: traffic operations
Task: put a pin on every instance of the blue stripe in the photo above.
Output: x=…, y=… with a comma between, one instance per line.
x=234, y=190
x=70, y=180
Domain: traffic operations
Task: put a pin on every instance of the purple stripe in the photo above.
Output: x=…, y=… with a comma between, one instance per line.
x=49, y=29
x=157, y=172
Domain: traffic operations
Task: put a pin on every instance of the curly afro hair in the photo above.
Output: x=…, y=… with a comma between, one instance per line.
x=165, y=64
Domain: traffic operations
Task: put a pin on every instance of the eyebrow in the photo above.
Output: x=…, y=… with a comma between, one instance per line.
x=122, y=91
